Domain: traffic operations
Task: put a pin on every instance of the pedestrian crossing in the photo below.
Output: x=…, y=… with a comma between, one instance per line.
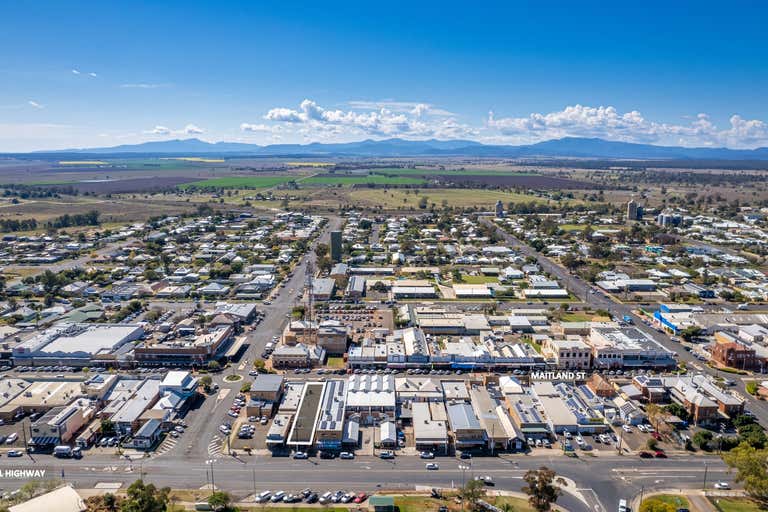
x=166, y=446
x=215, y=447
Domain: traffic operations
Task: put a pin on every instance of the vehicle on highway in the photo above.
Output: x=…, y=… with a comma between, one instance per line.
x=347, y=455
x=432, y=466
x=12, y=438
x=15, y=453
x=722, y=485
x=427, y=455
x=387, y=454
x=300, y=455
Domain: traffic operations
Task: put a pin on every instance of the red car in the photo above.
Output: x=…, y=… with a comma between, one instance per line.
x=660, y=454
x=360, y=498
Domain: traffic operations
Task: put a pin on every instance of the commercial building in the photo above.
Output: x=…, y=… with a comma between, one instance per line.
x=430, y=429
x=619, y=347
x=330, y=424
x=465, y=426
x=191, y=349
x=371, y=396
x=77, y=345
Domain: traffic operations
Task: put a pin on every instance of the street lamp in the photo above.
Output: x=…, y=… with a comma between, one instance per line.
x=210, y=462
x=463, y=469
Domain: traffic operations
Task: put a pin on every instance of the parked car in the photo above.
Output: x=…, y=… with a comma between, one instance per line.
x=347, y=455
x=427, y=455
x=300, y=455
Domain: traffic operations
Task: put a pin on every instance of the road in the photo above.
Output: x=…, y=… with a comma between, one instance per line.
x=599, y=300
x=602, y=480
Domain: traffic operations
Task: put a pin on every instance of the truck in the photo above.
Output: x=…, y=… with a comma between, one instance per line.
x=627, y=319
x=62, y=452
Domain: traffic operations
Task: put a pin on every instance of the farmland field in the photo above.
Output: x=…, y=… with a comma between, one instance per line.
x=432, y=171
x=240, y=182
x=458, y=197
x=361, y=180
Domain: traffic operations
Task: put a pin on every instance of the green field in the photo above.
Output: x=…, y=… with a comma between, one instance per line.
x=350, y=180
x=239, y=182
x=735, y=504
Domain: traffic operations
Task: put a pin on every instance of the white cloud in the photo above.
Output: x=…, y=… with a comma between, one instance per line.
x=249, y=127
x=35, y=104
x=75, y=72
x=92, y=74
x=410, y=120
x=191, y=129
x=159, y=130
x=608, y=123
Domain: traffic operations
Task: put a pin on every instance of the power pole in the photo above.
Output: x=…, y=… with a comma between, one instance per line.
x=704, y=487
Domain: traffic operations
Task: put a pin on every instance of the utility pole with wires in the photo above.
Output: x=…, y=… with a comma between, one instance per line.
x=308, y=313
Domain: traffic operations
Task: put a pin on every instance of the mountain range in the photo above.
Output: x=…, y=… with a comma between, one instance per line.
x=568, y=147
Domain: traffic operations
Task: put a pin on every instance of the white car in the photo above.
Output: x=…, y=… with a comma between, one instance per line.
x=626, y=428
x=347, y=455
x=432, y=466
x=722, y=485
x=427, y=455
x=300, y=455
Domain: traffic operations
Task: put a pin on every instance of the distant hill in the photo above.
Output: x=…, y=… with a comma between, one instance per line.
x=569, y=147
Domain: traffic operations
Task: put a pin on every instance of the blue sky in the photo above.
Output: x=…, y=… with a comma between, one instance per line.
x=78, y=74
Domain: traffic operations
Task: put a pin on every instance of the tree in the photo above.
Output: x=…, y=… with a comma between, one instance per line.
x=690, y=332
x=423, y=202
x=246, y=387
x=751, y=466
x=219, y=500
x=472, y=493
x=145, y=498
x=541, y=488
x=702, y=438
x=107, y=427
x=656, y=505
x=110, y=502
x=206, y=381
x=214, y=366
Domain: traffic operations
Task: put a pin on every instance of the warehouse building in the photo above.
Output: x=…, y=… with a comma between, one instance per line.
x=77, y=345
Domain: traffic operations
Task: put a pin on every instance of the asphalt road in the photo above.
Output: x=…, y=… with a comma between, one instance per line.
x=601, y=480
